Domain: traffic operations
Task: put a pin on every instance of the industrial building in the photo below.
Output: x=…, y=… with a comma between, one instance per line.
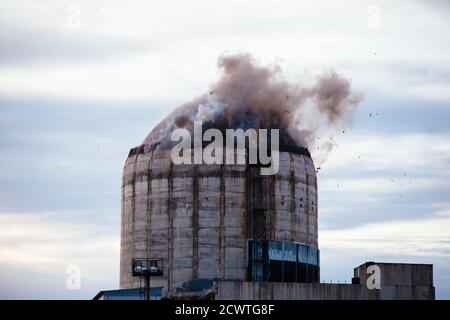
x=226, y=232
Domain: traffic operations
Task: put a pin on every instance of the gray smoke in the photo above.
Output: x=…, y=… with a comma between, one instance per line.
x=251, y=95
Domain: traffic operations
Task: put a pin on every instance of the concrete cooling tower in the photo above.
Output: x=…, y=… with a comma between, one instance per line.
x=231, y=231
x=218, y=222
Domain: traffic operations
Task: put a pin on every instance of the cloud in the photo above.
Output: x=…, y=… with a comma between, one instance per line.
x=422, y=240
x=72, y=103
x=422, y=237
x=416, y=153
x=373, y=177
x=49, y=47
x=442, y=209
x=44, y=241
x=44, y=245
x=137, y=49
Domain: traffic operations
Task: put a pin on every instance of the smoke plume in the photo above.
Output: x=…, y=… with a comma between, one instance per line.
x=250, y=95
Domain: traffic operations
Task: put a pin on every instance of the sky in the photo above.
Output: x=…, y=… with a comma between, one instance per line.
x=82, y=82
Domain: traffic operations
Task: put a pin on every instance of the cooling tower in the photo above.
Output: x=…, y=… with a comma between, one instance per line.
x=219, y=222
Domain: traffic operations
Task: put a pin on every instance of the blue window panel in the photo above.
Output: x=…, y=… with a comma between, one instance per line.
x=312, y=255
x=303, y=253
x=290, y=251
x=276, y=250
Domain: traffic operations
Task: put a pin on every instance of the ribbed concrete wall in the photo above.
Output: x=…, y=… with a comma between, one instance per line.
x=232, y=290
x=196, y=217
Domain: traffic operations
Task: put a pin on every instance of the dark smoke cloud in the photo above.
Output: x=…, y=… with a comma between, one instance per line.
x=251, y=95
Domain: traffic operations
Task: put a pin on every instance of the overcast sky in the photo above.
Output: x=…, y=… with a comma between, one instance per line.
x=82, y=82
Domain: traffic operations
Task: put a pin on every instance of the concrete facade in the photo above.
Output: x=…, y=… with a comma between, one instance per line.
x=204, y=220
x=401, y=274
x=229, y=290
x=197, y=217
x=405, y=280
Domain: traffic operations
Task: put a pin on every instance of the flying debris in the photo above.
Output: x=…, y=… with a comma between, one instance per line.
x=250, y=95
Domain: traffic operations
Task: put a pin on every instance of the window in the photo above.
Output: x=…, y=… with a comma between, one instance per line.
x=285, y=261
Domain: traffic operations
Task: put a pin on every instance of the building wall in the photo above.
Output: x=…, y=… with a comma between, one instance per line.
x=406, y=274
x=229, y=290
x=196, y=217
